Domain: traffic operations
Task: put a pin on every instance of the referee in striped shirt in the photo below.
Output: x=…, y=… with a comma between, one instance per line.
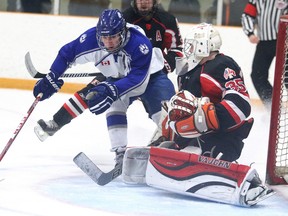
x=263, y=16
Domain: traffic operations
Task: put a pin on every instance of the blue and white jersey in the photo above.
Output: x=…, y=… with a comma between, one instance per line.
x=132, y=65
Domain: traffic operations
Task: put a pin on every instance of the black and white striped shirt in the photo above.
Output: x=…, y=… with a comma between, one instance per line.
x=263, y=15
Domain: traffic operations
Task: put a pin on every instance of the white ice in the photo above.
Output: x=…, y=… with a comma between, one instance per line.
x=40, y=178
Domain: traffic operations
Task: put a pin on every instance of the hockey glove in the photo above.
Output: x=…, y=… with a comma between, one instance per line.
x=190, y=117
x=48, y=86
x=101, y=97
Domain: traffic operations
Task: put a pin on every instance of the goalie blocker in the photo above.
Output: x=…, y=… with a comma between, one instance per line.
x=194, y=175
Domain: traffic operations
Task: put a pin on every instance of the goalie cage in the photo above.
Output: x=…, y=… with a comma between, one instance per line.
x=277, y=159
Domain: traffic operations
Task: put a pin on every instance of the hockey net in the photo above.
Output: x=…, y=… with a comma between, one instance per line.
x=277, y=160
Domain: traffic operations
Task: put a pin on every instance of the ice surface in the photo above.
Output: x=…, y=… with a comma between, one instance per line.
x=40, y=178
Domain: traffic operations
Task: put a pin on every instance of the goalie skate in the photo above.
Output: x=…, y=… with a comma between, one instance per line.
x=258, y=194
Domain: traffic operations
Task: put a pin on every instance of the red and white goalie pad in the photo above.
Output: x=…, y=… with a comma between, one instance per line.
x=197, y=175
x=193, y=175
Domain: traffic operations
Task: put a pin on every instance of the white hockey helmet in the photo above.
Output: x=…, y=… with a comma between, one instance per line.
x=199, y=42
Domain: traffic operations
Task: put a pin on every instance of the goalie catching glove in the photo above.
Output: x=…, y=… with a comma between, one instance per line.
x=190, y=117
x=101, y=97
x=49, y=85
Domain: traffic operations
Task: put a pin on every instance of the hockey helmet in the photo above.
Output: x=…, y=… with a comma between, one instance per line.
x=147, y=11
x=111, y=24
x=199, y=42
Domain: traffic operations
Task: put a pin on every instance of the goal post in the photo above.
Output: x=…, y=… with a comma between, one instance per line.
x=277, y=159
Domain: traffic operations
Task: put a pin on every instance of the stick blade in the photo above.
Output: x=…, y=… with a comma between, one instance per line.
x=30, y=67
x=87, y=166
x=97, y=175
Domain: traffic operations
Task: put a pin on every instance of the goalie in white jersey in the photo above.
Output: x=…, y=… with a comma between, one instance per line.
x=131, y=69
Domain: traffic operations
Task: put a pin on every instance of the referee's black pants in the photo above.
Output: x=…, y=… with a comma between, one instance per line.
x=264, y=54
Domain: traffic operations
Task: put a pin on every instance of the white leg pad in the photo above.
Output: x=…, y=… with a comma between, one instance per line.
x=135, y=164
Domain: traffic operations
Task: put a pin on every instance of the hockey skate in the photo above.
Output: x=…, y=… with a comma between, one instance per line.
x=119, y=156
x=258, y=194
x=44, y=129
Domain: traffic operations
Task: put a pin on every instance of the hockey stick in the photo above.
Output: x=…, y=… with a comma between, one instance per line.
x=36, y=74
x=97, y=175
x=20, y=126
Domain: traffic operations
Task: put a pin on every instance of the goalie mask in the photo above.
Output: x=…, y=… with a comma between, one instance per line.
x=111, y=30
x=198, y=43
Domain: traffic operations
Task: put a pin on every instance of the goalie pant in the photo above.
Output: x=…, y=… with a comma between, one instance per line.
x=194, y=175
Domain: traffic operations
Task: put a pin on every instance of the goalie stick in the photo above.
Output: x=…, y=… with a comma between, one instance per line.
x=36, y=74
x=96, y=174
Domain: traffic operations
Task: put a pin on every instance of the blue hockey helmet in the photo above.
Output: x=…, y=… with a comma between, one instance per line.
x=111, y=24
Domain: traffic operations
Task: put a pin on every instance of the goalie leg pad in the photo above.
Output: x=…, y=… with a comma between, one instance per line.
x=135, y=164
x=200, y=176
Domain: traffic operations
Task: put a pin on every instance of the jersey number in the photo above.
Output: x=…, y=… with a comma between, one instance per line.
x=237, y=85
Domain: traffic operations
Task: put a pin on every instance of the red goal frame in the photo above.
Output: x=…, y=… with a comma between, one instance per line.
x=277, y=159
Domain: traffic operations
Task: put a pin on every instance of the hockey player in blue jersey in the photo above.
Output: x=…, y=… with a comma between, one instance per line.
x=131, y=69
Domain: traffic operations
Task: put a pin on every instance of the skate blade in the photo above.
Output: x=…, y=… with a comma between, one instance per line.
x=262, y=197
x=42, y=135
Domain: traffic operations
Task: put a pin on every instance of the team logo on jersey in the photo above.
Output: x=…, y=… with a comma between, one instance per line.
x=82, y=38
x=229, y=73
x=158, y=36
x=144, y=48
x=105, y=63
x=148, y=26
